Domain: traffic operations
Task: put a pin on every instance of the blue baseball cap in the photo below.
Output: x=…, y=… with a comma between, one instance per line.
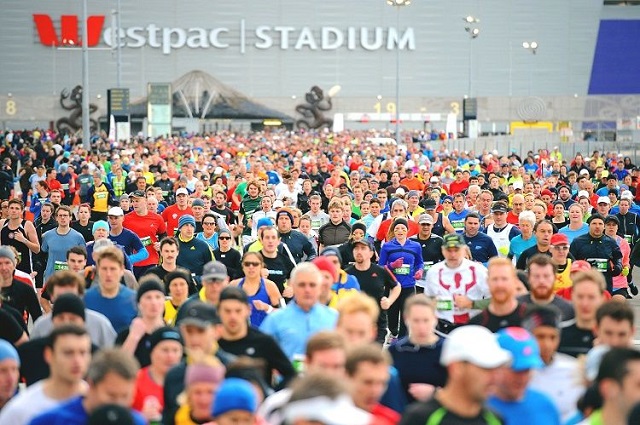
x=525, y=353
x=235, y=394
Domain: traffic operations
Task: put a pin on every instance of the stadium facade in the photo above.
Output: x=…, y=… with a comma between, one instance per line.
x=583, y=70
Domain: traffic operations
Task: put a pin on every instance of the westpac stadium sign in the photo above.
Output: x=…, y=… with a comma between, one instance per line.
x=263, y=37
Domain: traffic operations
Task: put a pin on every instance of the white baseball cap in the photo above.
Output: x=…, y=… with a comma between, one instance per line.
x=476, y=345
x=584, y=171
x=182, y=191
x=517, y=185
x=115, y=211
x=627, y=195
x=339, y=411
x=583, y=194
x=604, y=200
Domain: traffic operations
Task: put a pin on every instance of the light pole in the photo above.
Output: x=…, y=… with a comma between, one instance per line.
x=531, y=46
x=118, y=48
x=471, y=27
x=86, y=130
x=398, y=4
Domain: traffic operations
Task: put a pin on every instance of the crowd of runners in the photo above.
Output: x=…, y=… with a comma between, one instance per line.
x=310, y=278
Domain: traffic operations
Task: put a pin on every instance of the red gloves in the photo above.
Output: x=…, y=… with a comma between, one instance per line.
x=397, y=263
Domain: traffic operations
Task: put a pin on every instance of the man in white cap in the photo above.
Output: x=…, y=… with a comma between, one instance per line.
x=172, y=214
x=603, y=206
x=130, y=241
x=472, y=357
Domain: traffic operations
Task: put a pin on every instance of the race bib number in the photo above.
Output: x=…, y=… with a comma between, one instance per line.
x=458, y=224
x=60, y=265
x=146, y=241
x=628, y=238
x=600, y=264
x=426, y=266
x=65, y=186
x=405, y=269
x=101, y=195
x=444, y=303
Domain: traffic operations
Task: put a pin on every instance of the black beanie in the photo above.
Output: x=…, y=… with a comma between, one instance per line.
x=152, y=284
x=68, y=303
x=360, y=226
x=400, y=220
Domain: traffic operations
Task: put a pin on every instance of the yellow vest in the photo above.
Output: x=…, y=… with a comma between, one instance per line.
x=563, y=280
x=101, y=199
x=170, y=313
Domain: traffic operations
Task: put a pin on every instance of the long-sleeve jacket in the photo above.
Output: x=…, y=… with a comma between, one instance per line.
x=411, y=255
x=602, y=253
x=299, y=246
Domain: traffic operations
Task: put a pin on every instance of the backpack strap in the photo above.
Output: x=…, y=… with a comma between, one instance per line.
x=436, y=417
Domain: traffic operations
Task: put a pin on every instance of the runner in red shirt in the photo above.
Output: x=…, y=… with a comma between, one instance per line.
x=150, y=228
x=172, y=214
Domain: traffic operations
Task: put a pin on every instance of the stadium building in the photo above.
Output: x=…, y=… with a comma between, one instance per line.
x=550, y=64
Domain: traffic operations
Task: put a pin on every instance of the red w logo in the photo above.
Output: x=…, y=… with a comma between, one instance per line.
x=68, y=29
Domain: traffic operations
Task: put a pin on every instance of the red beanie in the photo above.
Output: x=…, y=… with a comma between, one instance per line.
x=324, y=264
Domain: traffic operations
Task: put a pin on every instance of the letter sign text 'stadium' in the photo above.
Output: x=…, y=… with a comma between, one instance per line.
x=69, y=32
